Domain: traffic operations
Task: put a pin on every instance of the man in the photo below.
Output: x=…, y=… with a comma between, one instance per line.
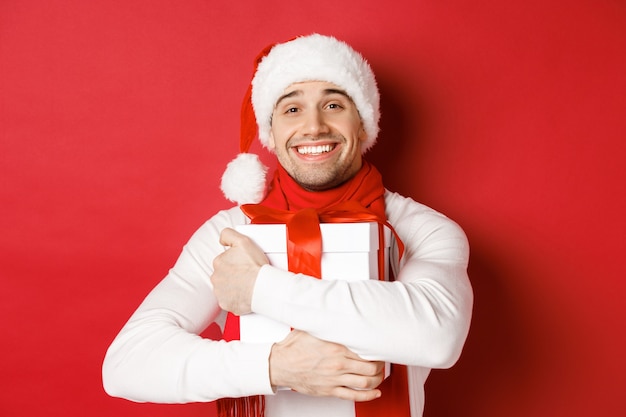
x=317, y=107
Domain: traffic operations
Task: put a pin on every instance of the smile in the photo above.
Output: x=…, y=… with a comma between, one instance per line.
x=314, y=150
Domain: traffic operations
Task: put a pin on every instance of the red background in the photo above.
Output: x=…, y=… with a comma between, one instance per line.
x=118, y=117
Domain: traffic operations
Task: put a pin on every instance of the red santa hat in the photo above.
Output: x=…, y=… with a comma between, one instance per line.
x=307, y=58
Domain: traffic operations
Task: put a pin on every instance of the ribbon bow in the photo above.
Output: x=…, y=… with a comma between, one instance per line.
x=304, y=238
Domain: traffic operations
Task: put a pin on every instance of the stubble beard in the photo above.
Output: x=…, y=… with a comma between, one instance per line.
x=318, y=179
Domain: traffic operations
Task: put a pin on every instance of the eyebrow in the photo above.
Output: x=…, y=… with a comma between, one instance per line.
x=326, y=92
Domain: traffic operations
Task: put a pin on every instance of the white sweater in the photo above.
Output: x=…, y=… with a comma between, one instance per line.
x=420, y=320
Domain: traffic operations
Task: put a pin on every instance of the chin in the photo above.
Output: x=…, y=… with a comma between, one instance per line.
x=319, y=185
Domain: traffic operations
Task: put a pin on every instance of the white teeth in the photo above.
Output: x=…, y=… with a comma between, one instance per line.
x=314, y=150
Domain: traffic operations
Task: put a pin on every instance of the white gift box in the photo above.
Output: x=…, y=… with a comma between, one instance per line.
x=350, y=251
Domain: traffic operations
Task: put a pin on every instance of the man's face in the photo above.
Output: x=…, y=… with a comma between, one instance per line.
x=317, y=134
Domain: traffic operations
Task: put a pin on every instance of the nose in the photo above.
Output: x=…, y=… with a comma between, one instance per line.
x=315, y=123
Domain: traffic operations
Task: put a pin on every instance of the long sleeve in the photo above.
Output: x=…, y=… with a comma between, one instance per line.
x=420, y=319
x=158, y=355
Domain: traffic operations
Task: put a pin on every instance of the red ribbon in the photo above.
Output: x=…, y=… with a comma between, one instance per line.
x=304, y=238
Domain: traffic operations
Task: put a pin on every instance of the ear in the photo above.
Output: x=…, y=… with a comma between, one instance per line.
x=362, y=134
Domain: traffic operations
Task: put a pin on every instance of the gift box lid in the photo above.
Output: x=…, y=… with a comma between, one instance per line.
x=336, y=237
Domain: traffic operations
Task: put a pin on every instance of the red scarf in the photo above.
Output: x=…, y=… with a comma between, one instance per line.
x=364, y=190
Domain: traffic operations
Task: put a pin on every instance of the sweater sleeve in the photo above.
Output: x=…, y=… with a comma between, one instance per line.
x=158, y=355
x=422, y=318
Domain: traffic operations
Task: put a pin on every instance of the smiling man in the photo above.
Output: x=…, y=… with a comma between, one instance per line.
x=316, y=104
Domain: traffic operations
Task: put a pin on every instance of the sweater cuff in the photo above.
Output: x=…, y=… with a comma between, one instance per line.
x=251, y=366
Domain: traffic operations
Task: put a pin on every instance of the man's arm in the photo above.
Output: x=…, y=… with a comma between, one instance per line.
x=158, y=355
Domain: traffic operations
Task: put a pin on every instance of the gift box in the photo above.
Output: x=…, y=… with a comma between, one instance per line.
x=350, y=251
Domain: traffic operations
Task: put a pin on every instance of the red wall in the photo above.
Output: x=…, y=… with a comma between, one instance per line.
x=118, y=117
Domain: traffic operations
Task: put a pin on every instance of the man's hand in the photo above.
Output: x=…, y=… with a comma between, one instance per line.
x=235, y=271
x=315, y=367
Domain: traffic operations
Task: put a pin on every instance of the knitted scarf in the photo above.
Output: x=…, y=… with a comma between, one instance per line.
x=364, y=193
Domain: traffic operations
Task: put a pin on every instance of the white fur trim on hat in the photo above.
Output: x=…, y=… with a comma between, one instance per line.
x=244, y=181
x=315, y=58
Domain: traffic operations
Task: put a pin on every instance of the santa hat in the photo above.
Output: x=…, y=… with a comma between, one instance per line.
x=307, y=58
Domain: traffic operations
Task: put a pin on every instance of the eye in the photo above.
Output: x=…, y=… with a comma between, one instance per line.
x=291, y=110
x=334, y=106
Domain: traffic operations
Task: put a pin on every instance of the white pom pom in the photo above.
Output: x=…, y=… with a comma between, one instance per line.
x=244, y=180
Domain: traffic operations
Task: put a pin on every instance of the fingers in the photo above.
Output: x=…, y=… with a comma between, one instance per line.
x=229, y=236
x=362, y=380
x=361, y=367
x=349, y=387
x=351, y=394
